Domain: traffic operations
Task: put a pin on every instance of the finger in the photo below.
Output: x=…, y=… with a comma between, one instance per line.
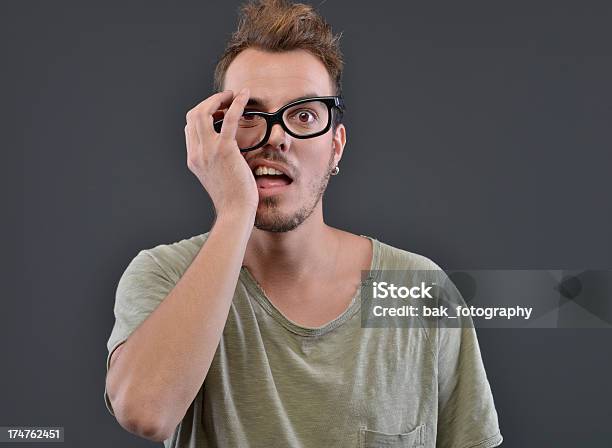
x=230, y=121
x=201, y=116
x=191, y=137
x=213, y=102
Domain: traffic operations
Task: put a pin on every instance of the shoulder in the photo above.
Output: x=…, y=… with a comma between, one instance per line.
x=173, y=258
x=395, y=258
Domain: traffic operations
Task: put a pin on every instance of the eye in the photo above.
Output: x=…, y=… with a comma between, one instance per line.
x=304, y=116
x=248, y=120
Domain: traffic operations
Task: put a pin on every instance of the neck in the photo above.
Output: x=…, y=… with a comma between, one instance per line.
x=309, y=251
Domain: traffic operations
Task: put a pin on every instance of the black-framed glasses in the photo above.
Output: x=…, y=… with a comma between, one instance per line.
x=305, y=118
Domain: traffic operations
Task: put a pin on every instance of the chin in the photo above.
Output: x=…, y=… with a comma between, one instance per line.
x=273, y=220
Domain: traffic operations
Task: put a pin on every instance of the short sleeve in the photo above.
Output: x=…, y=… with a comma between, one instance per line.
x=141, y=288
x=467, y=417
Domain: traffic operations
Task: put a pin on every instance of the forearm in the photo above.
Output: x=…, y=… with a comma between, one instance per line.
x=165, y=360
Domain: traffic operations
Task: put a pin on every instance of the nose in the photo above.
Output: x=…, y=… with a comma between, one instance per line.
x=278, y=139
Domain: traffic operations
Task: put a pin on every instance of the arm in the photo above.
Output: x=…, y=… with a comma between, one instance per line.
x=155, y=375
x=163, y=363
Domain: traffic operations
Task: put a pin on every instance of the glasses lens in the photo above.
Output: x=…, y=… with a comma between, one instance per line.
x=307, y=118
x=251, y=130
x=303, y=119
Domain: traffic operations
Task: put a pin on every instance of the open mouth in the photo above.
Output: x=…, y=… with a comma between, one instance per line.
x=270, y=181
x=270, y=178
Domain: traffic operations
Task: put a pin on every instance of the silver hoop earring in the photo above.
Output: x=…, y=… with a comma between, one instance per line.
x=335, y=171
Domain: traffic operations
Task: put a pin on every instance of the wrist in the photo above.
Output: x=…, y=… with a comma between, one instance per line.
x=240, y=214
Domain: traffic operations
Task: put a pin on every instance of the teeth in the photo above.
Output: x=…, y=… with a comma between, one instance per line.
x=261, y=170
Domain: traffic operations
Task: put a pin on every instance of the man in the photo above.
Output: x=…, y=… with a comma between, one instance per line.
x=248, y=335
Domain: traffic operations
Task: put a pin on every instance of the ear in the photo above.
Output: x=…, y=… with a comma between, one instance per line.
x=338, y=142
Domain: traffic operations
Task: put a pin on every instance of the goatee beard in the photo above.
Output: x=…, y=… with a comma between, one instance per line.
x=270, y=220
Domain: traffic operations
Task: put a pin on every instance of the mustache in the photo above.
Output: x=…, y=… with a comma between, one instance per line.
x=272, y=156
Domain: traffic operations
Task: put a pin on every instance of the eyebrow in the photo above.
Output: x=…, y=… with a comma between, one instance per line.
x=258, y=102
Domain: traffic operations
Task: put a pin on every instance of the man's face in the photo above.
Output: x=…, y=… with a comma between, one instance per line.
x=275, y=79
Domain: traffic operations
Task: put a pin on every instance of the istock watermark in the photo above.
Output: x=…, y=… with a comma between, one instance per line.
x=487, y=298
x=382, y=290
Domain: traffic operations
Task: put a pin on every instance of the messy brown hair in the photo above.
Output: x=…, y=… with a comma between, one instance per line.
x=279, y=25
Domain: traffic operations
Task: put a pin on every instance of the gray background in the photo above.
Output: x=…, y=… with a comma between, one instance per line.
x=478, y=135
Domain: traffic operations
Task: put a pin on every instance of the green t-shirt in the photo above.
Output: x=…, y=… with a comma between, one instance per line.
x=273, y=383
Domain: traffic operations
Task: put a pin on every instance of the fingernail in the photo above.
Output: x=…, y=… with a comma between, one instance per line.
x=244, y=91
